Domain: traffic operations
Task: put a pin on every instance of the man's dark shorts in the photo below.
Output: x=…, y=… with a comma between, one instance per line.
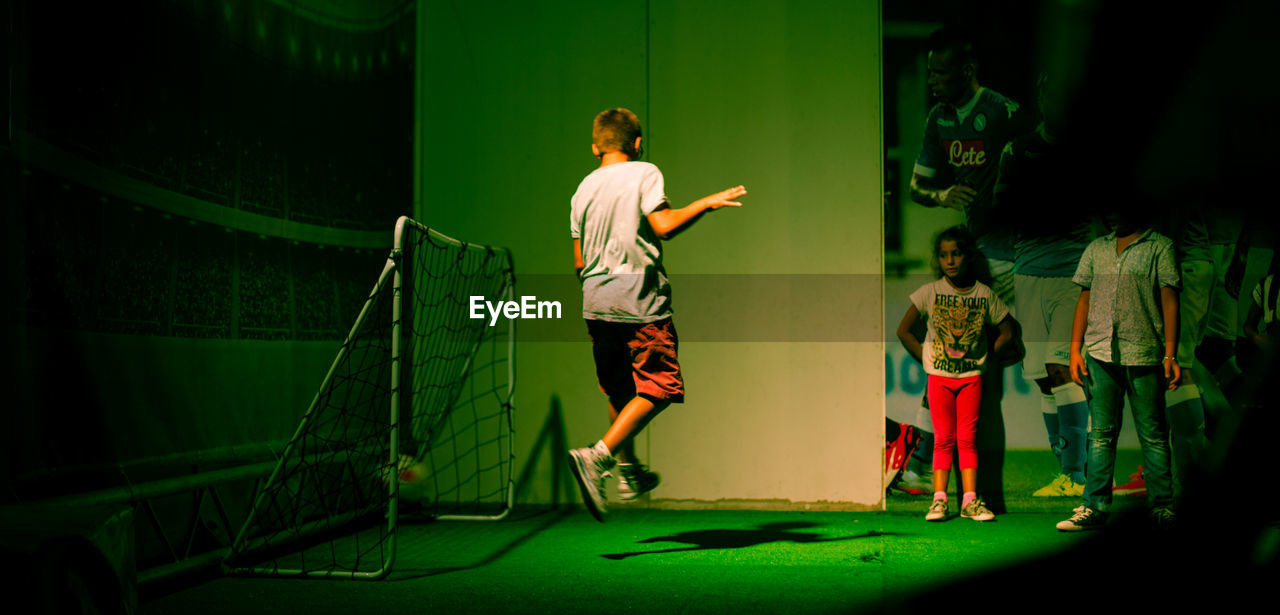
x=637, y=359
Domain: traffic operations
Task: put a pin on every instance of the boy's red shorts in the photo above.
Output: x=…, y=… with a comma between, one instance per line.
x=637, y=359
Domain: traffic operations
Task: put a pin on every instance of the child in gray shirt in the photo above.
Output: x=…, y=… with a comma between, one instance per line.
x=1124, y=342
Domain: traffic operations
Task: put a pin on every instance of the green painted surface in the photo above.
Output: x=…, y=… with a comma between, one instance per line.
x=651, y=560
x=655, y=561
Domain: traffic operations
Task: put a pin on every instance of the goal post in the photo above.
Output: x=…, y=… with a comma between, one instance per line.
x=415, y=409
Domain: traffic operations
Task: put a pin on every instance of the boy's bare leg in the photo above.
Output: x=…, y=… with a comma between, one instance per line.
x=630, y=421
x=626, y=452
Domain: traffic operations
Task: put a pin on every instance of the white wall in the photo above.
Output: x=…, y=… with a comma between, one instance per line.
x=780, y=96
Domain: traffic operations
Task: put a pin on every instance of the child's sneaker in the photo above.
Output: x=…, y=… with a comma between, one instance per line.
x=1062, y=486
x=977, y=510
x=1136, y=485
x=635, y=480
x=591, y=467
x=1163, y=518
x=937, y=510
x=1082, y=518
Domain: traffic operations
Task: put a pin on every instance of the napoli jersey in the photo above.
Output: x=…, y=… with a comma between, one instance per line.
x=963, y=145
x=1030, y=174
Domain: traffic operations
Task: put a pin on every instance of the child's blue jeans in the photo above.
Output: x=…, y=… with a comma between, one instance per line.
x=1107, y=385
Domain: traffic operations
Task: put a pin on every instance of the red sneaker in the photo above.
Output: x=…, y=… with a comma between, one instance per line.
x=897, y=452
x=911, y=483
x=1135, y=486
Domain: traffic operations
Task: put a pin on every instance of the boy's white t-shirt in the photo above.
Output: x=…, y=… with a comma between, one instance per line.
x=623, y=279
x=956, y=343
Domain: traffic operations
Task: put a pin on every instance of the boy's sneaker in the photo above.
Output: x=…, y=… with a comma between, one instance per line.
x=591, y=468
x=1135, y=486
x=1082, y=518
x=937, y=511
x=635, y=480
x=1163, y=518
x=1062, y=486
x=977, y=510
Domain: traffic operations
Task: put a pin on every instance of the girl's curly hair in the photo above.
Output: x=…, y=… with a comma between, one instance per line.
x=974, y=259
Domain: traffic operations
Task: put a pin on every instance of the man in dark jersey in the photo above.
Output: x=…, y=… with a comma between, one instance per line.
x=963, y=137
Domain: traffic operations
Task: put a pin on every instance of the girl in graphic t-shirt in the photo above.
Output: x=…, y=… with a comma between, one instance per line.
x=957, y=307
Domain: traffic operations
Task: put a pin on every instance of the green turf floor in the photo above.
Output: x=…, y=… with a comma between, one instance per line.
x=1024, y=472
x=665, y=561
x=652, y=561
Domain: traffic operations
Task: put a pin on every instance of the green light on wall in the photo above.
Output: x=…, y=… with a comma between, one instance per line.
x=355, y=63
x=293, y=46
x=384, y=57
x=319, y=56
x=337, y=60
x=262, y=29
x=226, y=10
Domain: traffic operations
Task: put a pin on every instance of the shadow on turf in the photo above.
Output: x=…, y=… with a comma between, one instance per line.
x=736, y=539
x=553, y=517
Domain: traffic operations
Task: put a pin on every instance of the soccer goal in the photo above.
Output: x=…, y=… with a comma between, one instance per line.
x=414, y=414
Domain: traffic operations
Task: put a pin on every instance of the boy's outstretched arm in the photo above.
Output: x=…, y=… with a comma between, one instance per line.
x=668, y=223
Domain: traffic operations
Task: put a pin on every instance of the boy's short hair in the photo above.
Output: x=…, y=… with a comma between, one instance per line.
x=616, y=130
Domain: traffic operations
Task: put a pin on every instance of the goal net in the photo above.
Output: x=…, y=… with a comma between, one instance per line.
x=415, y=411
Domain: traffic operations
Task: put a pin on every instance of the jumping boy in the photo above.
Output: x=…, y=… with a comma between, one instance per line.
x=618, y=219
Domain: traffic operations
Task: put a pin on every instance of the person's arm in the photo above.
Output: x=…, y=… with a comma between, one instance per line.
x=1261, y=341
x=1078, y=323
x=1005, y=191
x=1169, y=310
x=667, y=222
x=1233, y=279
x=955, y=197
x=1005, y=337
x=578, y=265
x=1168, y=279
x=1251, y=324
x=930, y=180
x=1021, y=121
x=908, y=338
